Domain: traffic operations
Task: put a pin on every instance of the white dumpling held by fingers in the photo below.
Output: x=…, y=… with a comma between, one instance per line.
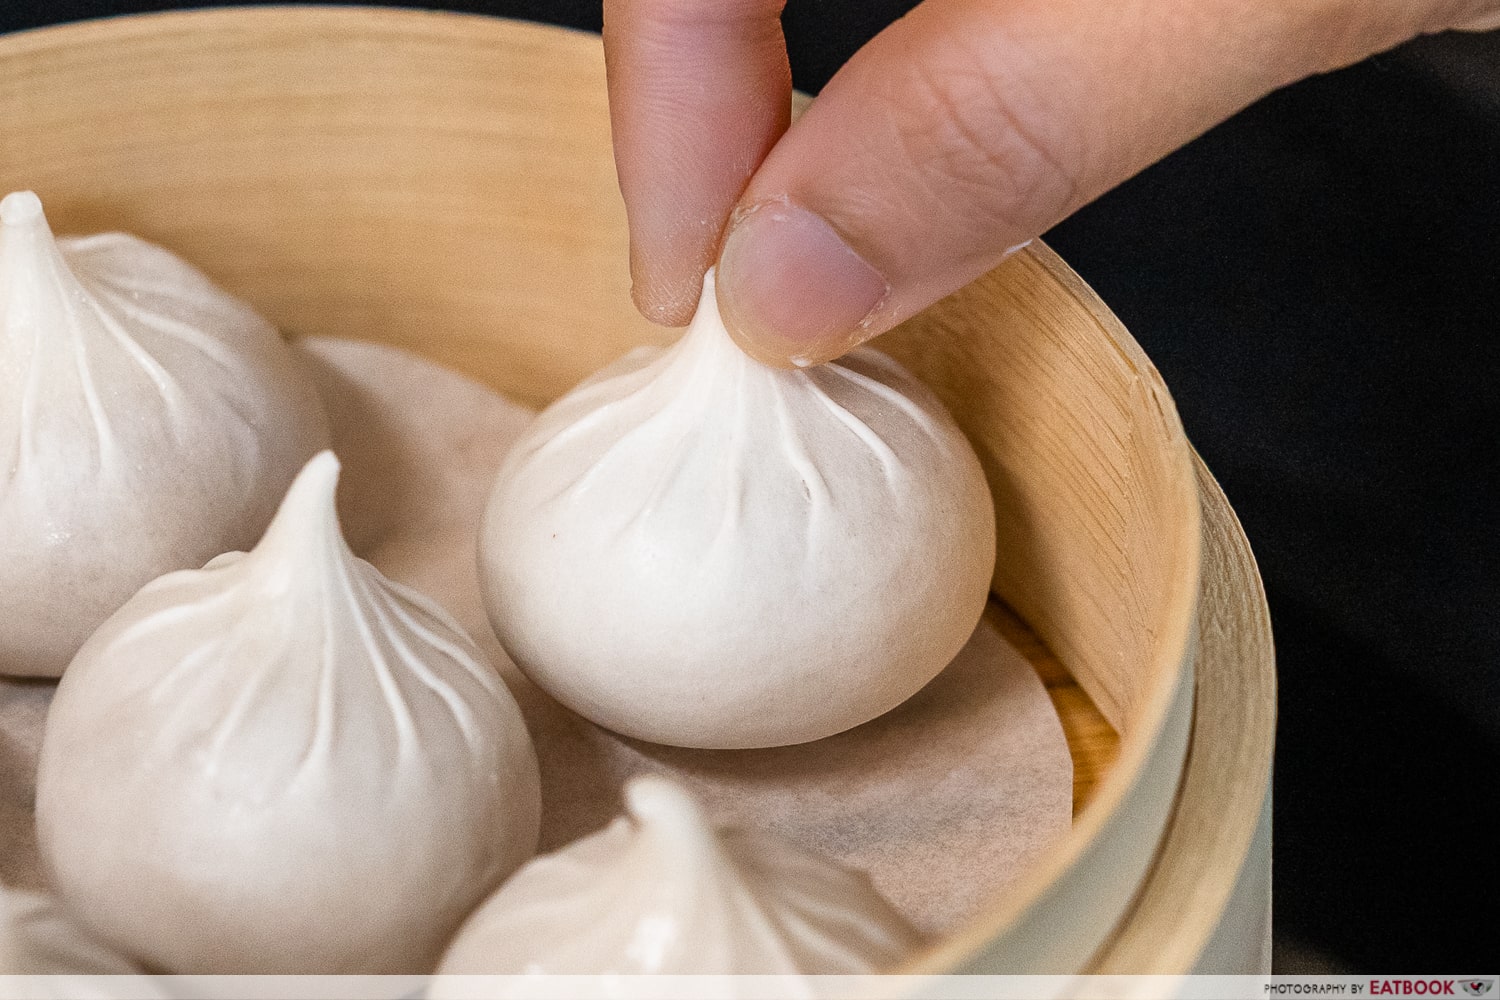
x=283, y=763
x=694, y=548
x=148, y=422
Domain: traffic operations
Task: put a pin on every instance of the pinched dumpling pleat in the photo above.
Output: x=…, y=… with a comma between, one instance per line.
x=661, y=891
x=694, y=548
x=283, y=763
x=148, y=422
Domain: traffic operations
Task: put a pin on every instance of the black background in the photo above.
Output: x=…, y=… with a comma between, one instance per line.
x=1319, y=282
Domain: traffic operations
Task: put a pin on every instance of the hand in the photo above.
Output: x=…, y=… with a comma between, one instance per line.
x=962, y=130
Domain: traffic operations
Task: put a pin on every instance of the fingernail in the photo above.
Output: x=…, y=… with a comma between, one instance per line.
x=790, y=289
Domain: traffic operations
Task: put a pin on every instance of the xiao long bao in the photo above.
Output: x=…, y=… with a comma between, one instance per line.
x=148, y=422
x=694, y=548
x=283, y=763
x=661, y=891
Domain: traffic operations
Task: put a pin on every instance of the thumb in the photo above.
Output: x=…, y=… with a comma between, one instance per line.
x=969, y=126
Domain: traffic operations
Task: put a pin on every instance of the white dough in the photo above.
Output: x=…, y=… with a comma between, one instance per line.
x=44, y=954
x=662, y=892
x=283, y=763
x=148, y=422
x=38, y=939
x=696, y=549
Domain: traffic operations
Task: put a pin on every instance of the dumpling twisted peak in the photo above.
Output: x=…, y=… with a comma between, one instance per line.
x=661, y=891
x=148, y=421
x=245, y=751
x=334, y=644
x=698, y=549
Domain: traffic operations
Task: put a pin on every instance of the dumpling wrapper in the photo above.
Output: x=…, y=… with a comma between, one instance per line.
x=696, y=549
x=283, y=763
x=45, y=954
x=148, y=422
x=662, y=892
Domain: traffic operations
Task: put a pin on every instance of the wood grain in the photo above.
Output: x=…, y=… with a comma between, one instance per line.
x=1092, y=742
x=1211, y=843
x=394, y=176
x=1094, y=494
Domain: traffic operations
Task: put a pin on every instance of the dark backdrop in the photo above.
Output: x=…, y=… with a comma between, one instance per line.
x=1317, y=280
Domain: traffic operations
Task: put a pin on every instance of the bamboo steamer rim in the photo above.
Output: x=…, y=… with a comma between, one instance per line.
x=1173, y=668
x=1215, y=855
x=1174, y=660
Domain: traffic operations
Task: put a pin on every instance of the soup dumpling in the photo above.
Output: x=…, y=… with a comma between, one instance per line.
x=283, y=763
x=148, y=422
x=697, y=549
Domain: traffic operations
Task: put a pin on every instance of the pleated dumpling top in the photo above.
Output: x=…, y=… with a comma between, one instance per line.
x=661, y=891
x=148, y=422
x=697, y=549
x=283, y=763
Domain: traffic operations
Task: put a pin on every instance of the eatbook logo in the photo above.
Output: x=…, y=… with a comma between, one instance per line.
x=1478, y=987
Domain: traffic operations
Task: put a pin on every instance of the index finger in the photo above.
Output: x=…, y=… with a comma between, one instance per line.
x=699, y=92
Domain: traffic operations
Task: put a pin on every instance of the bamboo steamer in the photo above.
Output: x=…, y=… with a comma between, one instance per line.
x=444, y=183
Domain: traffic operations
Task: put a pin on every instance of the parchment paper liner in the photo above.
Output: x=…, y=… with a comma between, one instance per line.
x=944, y=801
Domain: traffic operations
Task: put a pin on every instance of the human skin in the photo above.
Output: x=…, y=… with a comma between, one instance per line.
x=956, y=134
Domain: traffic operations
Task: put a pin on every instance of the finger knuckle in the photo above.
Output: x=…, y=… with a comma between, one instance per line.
x=966, y=136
